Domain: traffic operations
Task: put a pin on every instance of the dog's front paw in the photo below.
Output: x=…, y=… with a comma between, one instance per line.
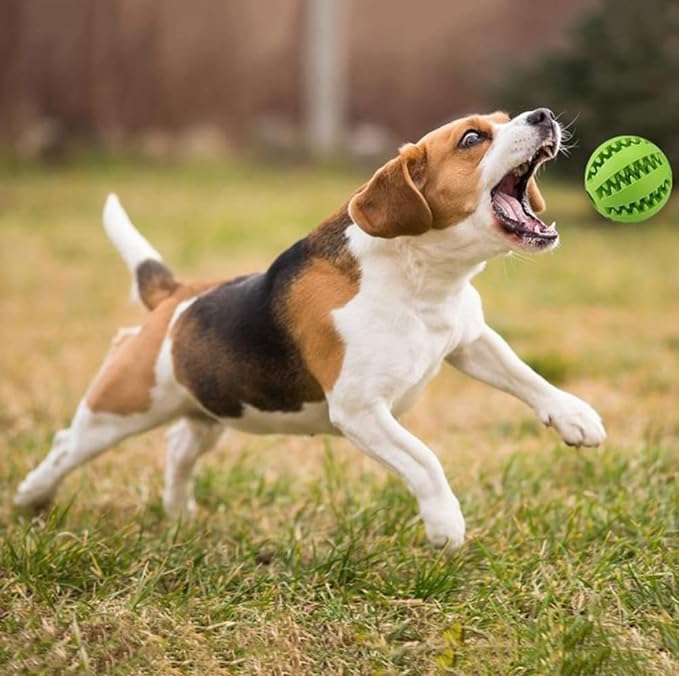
x=179, y=507
x=443, y=523
x=575, y=420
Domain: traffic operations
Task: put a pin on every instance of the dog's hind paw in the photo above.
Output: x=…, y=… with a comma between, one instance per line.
x=183, y=509
x=32, y=496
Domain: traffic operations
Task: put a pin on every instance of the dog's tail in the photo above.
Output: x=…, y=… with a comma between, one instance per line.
x=152, y=280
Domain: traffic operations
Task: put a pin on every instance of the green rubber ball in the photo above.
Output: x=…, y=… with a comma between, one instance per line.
x=628, y=179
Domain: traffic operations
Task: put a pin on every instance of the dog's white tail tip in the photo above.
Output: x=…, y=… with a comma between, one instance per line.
x=132, y=246
x=111, y=206
x=129, y=242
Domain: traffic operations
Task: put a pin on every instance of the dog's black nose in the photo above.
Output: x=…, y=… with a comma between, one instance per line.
x=541, y=117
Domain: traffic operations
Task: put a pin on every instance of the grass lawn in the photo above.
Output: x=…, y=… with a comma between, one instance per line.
x=307, y=557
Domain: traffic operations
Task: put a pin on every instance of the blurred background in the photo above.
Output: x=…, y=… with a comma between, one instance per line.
x=327, y=77
x=230, y=129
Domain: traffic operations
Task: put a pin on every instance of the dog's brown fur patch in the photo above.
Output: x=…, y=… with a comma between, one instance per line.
x=320, y=289
x=127, y=376
x=155, y=282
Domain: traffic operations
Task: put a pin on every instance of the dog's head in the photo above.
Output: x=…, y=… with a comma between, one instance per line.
x=473, y=178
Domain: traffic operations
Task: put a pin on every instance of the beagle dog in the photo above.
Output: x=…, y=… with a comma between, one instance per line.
x=344, y=330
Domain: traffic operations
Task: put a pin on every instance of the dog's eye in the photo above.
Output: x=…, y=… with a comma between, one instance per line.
x=471, y=138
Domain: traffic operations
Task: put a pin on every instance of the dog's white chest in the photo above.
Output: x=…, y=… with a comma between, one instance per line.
x=396, y=340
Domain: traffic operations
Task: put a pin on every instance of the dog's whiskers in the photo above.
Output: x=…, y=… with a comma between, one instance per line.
x=567, y=135
x=524, y=258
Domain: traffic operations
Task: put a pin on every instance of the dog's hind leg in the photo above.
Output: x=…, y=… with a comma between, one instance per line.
x=89, y=435
x=134, y=391
x=187, y=440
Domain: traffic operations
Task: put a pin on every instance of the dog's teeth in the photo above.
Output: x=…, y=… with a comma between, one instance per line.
x=521, y=169
x=552, y=226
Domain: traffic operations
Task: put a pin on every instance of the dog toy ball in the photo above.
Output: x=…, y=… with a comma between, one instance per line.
x=628, y=179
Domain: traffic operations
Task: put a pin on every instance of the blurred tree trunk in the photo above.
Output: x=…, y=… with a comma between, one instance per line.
x=325, y=75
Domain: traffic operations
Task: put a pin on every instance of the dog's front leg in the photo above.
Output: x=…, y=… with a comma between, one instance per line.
x=376, y=432
x=491, y=360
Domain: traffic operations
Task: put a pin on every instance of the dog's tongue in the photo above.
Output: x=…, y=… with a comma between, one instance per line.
x=512, y=207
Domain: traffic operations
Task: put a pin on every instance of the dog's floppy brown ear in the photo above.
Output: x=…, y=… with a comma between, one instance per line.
x=535, y=198
x=390, y=204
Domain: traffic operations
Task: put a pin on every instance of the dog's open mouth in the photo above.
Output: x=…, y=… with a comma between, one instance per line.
x=512, y=206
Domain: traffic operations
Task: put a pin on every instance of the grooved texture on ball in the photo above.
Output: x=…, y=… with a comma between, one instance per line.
x=628, y=179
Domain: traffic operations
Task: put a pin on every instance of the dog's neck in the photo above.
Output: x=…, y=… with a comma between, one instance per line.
x=429, y=265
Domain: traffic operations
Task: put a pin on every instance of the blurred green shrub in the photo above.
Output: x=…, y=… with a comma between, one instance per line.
x=618, y=74
x=550, y=365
